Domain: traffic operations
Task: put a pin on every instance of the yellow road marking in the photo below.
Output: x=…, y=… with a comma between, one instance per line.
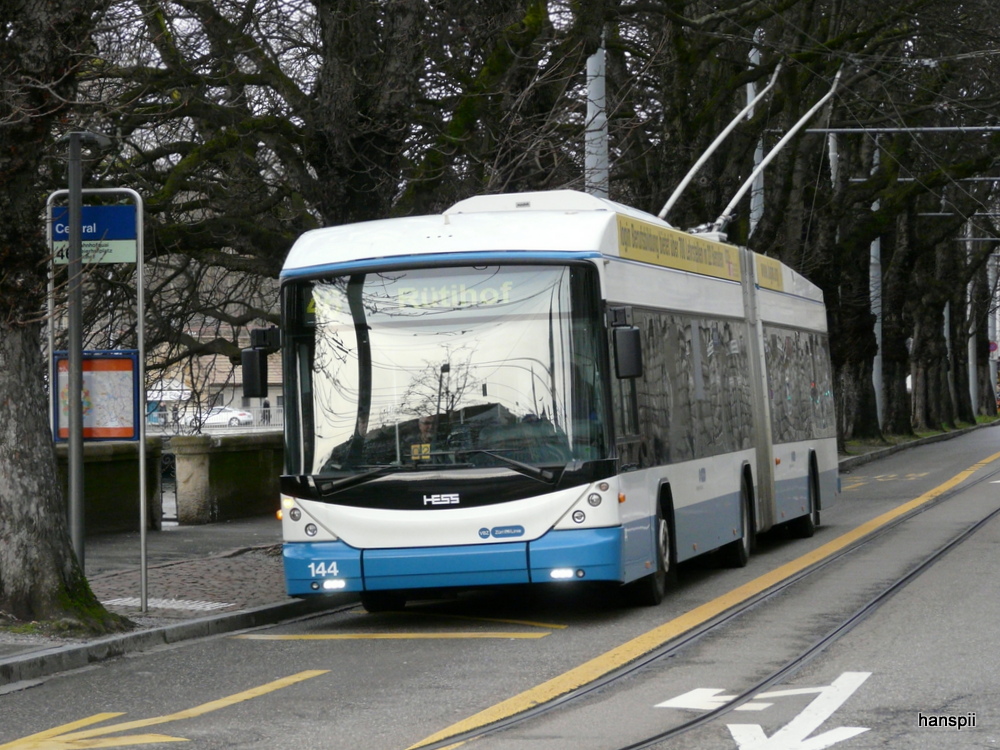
x=383, y=636
x=860, y=481
x=63, y=737
x=449, y=616
x=35, y=739
x=414, y=636
x=653, y=639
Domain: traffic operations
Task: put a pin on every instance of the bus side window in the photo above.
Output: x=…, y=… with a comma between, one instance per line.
x=626, y=409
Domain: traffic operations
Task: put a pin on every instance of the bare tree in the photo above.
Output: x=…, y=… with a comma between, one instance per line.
x=247, y=124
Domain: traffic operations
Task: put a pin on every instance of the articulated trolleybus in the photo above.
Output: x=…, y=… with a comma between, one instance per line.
x=542, y=387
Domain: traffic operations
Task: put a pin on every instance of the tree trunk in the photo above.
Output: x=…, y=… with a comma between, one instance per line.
x=852, y=351
x=928, y=379
x=855, y=399
x=39, y=575
x=897, y=326
x=985, y=400
x=897, y=406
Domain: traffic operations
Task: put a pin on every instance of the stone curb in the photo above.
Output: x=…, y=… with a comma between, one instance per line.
x=38, y=664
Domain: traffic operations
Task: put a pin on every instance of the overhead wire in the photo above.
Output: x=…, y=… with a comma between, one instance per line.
x=857, y=59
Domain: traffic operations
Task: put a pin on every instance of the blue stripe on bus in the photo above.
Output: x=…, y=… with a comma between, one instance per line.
x=450, y=259
x=595, y=552
x=433, y=567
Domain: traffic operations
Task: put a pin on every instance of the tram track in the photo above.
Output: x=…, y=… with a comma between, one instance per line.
x=678, y=645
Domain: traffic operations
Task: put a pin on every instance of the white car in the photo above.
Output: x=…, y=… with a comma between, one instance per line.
x=223, y=416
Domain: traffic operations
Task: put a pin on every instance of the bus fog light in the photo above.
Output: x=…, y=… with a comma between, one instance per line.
x=332, y=584
x=580, y=574
x=295, y=514
x=314, y=586
x=561, y=574
x=311, y=529
x=594, y=499
x=579, y=516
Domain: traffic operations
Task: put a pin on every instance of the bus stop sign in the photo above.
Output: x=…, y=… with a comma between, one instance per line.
x=108, y=234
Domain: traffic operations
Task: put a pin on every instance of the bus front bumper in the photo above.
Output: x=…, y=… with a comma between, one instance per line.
x=329, y=567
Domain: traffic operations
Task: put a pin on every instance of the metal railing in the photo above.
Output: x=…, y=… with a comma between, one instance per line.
x=190, y=420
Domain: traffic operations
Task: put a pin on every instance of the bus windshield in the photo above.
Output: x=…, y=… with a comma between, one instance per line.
x=461, y=366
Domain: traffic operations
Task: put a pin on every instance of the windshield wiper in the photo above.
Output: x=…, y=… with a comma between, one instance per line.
x=534, y=472
x=325, y=487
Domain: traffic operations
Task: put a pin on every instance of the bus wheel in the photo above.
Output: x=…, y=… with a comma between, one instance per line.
x=649, y=590
x=805, y=526
x=736, y=554
x=382, y=601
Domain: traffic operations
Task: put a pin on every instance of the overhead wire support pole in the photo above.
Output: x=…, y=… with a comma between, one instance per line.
x=757, y=191
x=726, y=216
x=715, y=145
x=596, y=167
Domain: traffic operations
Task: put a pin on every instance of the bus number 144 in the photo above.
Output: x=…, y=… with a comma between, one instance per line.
x=322, y=569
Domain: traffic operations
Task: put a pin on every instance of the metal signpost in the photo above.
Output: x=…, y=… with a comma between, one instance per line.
x=96, y=234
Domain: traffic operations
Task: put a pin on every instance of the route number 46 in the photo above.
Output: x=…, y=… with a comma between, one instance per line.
x=322, y=569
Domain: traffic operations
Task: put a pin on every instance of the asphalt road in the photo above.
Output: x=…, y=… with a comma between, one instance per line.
x=395, y=680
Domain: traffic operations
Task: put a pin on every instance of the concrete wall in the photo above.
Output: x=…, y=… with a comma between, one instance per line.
x=225, y=477
x=111, y=484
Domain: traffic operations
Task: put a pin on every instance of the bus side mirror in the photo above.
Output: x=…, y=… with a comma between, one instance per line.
x=263, y=341
x=254, y=373
x=628, y=352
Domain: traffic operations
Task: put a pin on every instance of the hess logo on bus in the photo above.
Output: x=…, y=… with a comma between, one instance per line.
x=449, y=499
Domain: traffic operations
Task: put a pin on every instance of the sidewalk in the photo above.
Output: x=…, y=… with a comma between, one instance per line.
x=222, y=567
x=202, y=580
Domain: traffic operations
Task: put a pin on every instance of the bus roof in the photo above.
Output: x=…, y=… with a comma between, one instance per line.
x=538, y=223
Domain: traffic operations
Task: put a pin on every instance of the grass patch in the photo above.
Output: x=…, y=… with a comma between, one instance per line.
x=867, y=445
x=63, y=628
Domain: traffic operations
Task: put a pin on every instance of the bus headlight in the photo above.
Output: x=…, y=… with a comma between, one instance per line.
x=311, y=529
x=579, y=516
x=566, y=574
x=594, y=499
